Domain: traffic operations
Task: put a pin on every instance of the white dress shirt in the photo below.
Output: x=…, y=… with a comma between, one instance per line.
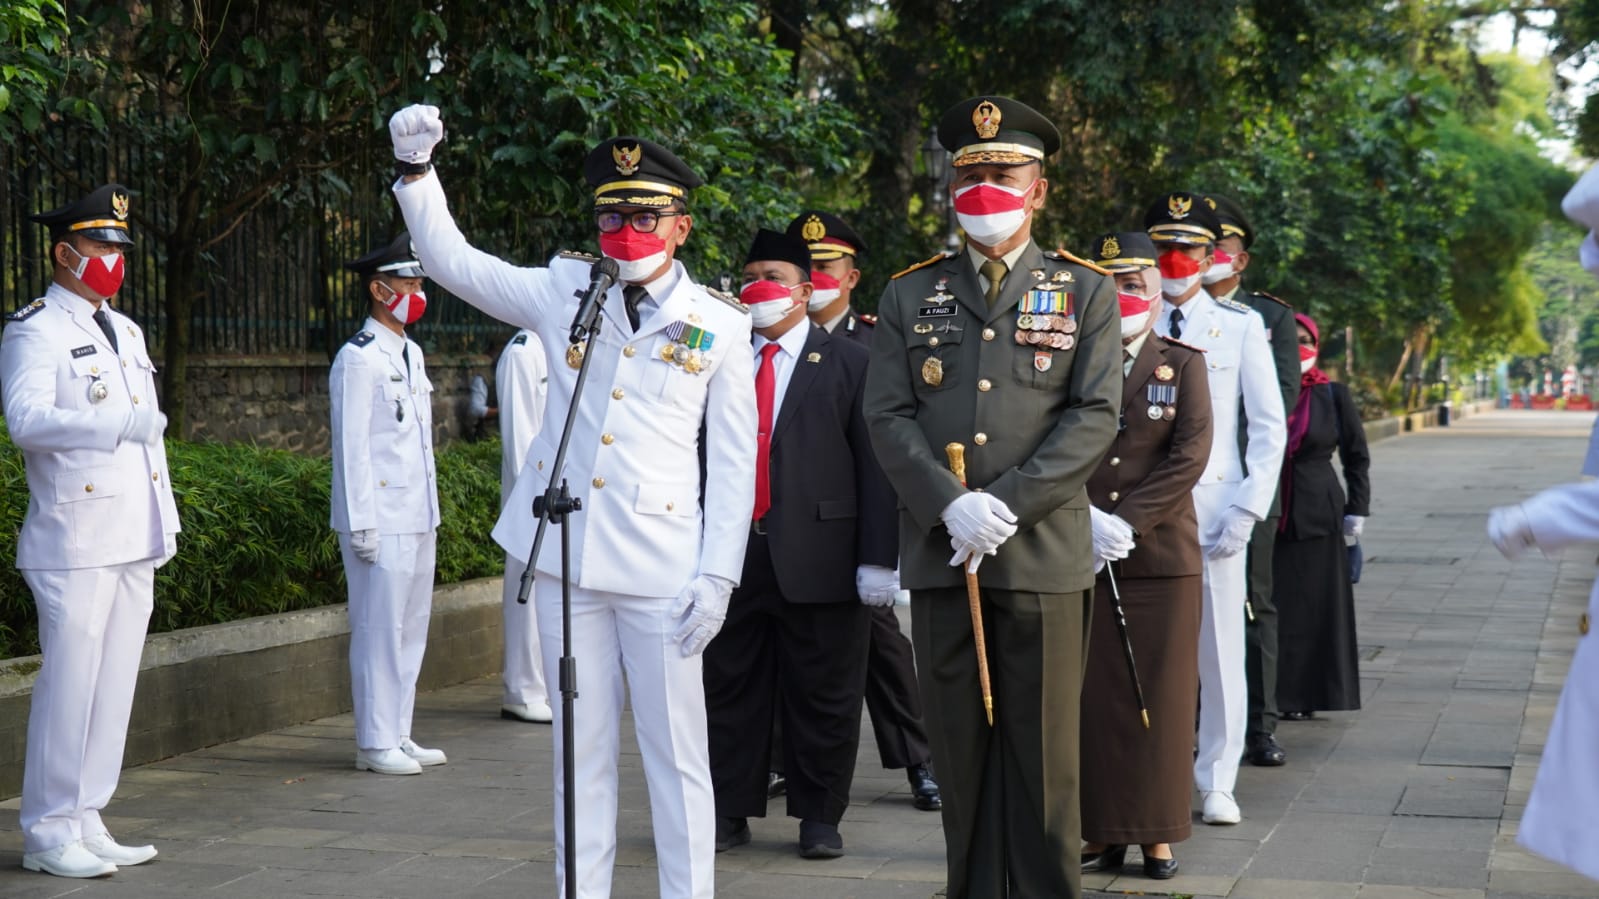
x=789, y=344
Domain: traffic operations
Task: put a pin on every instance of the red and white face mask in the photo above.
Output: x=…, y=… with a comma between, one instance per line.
x=637, y=255
x=407, y=307
x=1135, y=313
x=768, y=301
x=101, y=274
x=1221, y=268
x=991, y=213
x=1178, y=273
x=1307, y=358
x=827, y=289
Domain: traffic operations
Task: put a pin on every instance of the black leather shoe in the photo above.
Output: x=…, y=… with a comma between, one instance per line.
x=776, y=784
x=1298, y=716
x=923, y=788
x=1264, y=752
x=1160, y=868
x=820, y=840
x=1111, y=858
x=731, y=832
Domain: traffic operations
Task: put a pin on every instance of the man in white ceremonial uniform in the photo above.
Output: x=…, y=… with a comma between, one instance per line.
x=654, y=558
x=386, y=507
x=521, y=380
x=80, y=402
x=1228, y=502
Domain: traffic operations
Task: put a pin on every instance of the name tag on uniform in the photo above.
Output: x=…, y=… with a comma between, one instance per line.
x=934, y=311
x=395, y=377
x=80, y=351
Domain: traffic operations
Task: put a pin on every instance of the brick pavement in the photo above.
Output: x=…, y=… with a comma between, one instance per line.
x=1417, y=795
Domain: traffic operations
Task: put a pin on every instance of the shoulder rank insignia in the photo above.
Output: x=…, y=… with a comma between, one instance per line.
x=1232, y=305
x=867, y=318
x=1278, y=300
x=362, y=338
x=519, y=339
x=726, y=298
x=1178, y=343
x=26, y=311
x=923, y=264
x=1060, y=253
x=576, y=254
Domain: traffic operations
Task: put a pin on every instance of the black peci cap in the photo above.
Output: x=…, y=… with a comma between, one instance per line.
x=1233, y=221
x=102, y=215
x=1124, y=251
x=775, y=246
x=996, y=131
x=396, y=259
x=634, y=171
x=827, y=235
x=1182, y=217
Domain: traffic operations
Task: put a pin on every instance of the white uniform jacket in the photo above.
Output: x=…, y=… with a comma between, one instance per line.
x=1238, y=362
x=382, y=422
x=521, y=379
x=634, y=457
x=93, y=501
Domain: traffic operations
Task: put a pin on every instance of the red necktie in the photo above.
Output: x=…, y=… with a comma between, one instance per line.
x=765, y=398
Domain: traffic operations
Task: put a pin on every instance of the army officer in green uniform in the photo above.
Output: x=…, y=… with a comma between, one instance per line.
x=1014, y=352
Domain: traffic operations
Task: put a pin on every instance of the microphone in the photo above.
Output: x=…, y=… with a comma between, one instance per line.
x=601, y=276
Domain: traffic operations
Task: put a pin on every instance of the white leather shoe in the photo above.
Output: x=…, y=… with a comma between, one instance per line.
x=117, y=854
x=70, y=860
x=386, y=761
x=536, y=712
x=423, y=756
x=1220, y=809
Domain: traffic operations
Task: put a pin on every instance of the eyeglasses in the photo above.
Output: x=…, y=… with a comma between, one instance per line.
x=642, y=222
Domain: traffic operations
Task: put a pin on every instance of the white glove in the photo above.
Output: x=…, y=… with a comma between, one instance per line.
x=1113, y=536
x=978, y=523
x=415, y=130
x=1510, y=531
x=365, y=545
x=703, y=607
x=1232, y=534
x=876, y=584
x=1353, y=525
x=143, y=425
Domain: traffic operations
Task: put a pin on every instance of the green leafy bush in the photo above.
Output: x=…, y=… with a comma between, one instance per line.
x=255, y=535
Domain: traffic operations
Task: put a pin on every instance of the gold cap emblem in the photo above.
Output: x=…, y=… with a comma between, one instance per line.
x=1179, y=207
x=627, y=158
x=119, y=204
x=1211, y=202
x=813, y=230
x=1110, y=249
x=985, y=118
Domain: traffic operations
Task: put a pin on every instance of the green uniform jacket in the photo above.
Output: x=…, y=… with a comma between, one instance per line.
x=1035, y=423
x=1283, y=333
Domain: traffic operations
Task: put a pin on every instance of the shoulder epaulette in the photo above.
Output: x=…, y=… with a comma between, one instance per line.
x=923, y=264
x=729, y=300
x=1060, y=253
x=1178, y=343
x=1277, y=300
x=575, y=254
x=26, y=311
x=519, y=339
x=362, y=338
x=866, y=318
x=1232, y=305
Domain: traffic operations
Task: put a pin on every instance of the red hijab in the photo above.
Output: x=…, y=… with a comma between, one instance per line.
x=1299, y=419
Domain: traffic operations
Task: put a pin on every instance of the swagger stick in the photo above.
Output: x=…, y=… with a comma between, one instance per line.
x=957, y=464
x=1127, y=643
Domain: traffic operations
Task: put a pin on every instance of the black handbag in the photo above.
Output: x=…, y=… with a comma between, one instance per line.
x=1357, y=560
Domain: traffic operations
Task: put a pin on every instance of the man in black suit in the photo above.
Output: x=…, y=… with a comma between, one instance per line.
x=892, y=698
x=819, y=550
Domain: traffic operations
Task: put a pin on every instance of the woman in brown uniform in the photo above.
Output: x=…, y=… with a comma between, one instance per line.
x=1136, y=782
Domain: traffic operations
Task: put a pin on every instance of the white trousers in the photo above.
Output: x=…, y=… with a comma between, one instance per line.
x=390, y=602
x=523, y=671
x=92, y=624
x=1223, y=688
x=615, y=634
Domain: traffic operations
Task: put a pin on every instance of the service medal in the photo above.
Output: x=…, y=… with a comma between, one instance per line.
x=933, y=371
x=1163, y=373
x=694, y=364
x=1169, y=413
x=1069, y=326
x=1043, y=359
x=681, y=354
x=98, y=391
x=1154, y=413
x=574, y=355
x=1067, y=341
x=1035, y=338
x=1025, y=321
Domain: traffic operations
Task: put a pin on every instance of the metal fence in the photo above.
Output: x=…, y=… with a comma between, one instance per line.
x=274, y=286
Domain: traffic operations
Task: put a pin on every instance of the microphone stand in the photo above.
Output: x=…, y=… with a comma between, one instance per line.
x=553, y=507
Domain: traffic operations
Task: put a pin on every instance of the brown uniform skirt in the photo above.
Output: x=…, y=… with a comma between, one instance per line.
x=1137, y=784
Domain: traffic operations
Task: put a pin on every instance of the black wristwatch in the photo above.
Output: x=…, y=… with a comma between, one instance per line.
x=412, y=168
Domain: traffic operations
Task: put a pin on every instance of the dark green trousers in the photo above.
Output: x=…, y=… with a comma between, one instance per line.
x=1011, y=820
x=1260, y=634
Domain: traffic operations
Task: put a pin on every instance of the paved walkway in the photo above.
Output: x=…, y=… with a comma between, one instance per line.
x=1417, y=795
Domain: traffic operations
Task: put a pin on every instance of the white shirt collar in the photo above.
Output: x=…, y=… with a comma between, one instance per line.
x=1138, y=343
x=662, y=287
x=393, y=343
x=73, y=301
x=791, y=342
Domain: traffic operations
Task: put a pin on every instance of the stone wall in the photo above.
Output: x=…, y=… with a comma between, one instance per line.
x=282, y=402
